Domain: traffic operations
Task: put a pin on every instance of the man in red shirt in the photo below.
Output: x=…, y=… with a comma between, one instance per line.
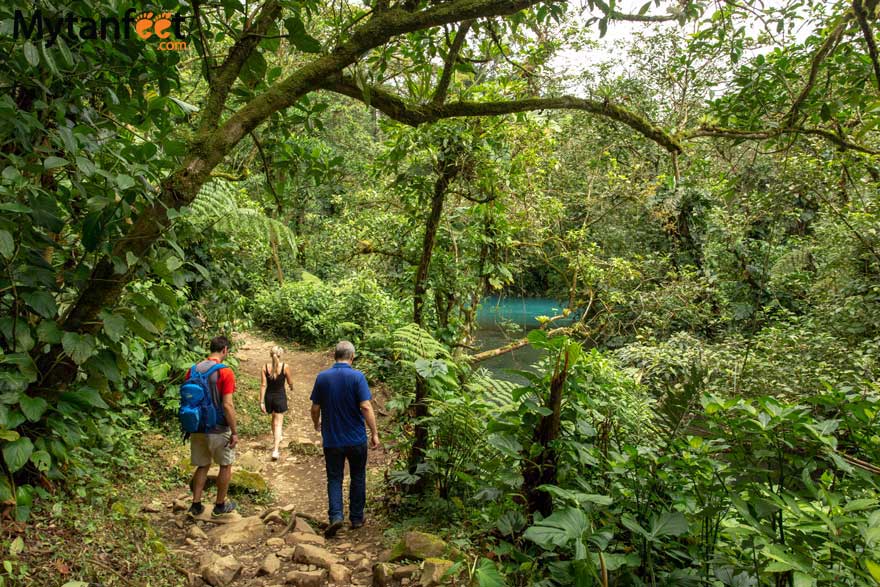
x=217, y=444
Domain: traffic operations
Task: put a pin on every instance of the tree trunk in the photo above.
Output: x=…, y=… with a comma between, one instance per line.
x=105, y=284
x=273, y=241
x=542, y=470
x=448, y=169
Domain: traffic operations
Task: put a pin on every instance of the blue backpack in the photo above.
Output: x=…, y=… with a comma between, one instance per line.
x=197, y=410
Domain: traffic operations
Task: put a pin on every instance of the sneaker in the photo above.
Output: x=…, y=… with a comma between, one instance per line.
x=332, y=529
x=195, y=510
x=358, y=524
x=223, y=508
x=275, y=455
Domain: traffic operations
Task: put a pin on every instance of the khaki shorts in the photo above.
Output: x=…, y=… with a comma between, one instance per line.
x=205, y=448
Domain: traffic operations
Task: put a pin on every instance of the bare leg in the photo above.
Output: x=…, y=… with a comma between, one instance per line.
x=198, y=483
x=277, y=428
x=223, y=478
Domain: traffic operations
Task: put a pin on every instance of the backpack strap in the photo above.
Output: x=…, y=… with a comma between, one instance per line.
x=212, y=369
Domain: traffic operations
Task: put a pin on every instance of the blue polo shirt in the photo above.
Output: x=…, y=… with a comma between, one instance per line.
x=339, y=391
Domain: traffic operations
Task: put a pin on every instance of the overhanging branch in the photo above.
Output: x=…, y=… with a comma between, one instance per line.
x=414, y=115
x=449, y=62
x=760, y=135
x=824, y=51
x=861, y=14
x=221, y=80
x=381, y=28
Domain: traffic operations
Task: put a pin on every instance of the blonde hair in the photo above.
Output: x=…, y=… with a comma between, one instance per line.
x=275, y=352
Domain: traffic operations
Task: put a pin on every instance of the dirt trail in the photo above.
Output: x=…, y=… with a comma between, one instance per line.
x=298, y=477
x=297, y=482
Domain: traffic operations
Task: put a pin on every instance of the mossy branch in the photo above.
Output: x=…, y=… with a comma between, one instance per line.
x=414, y=115
x=761, y=135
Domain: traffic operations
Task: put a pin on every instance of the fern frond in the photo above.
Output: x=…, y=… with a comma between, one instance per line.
x=217, y=204
x=676, y=409
x=496, y=392
x=412, y=342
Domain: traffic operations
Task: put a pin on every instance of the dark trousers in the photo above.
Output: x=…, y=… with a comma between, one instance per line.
x=335, y=459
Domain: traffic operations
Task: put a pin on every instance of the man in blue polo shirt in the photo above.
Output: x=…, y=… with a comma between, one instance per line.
x=340, y=405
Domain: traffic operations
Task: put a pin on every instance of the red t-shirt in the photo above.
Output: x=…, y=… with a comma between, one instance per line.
x=225, y=379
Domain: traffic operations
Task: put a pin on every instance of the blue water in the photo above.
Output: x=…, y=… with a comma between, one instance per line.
x=504, y=320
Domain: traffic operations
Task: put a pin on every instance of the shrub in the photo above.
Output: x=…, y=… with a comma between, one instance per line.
x=313, y=312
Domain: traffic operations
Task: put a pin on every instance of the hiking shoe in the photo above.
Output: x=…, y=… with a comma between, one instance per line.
x=358, y=524
x=333, y=528
x=223, y=508
x=275, y=455
x=195, y=510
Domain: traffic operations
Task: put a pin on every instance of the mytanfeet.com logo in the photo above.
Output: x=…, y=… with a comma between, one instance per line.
x=164, y=27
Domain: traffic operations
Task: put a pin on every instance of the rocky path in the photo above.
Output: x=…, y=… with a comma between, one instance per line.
x=279, y=544
x=298, y=477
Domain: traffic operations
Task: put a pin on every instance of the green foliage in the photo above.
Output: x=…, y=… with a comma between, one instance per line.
x=741, y=275
x=251, y=420
x=106, y=517
x=739, y=492
x=90, y=131
x=314, y=312
x=462, y=454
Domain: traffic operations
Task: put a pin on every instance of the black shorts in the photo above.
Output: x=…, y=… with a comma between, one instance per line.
x=275, y=403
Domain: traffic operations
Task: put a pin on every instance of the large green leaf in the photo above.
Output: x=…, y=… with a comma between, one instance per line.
x=19, y=330
x=78, y=347
x=33, y=407
x=48, y=331
x=87, y=396
x=31, y=54
x=10, y=418
x=115, y=327
x=17, y=453
x=510, y=522
x=42, y=460
x=85, y=166
x=7, y=244
x=506, y=443
x=42, y=302
x=668, y=524
x=6, y=496
x=54, y=162
x=158, y=371
x=633, y=526
x=784, y=560
x=299, y=37
x=487, y=574
x=558, y=529
x=576, y=496
x=124, y=181
x=254, y=70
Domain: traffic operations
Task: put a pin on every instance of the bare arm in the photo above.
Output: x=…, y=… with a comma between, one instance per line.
x=229, y=412
x=370, y=417
x=316, y=416
x=288, y=375
x=263, y=390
